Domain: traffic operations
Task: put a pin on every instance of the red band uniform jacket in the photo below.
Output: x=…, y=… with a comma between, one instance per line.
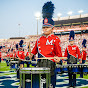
x=47, y=47
x=84, y=54
x=72, y=50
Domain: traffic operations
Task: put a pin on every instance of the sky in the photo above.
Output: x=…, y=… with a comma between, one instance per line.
x=15, y=12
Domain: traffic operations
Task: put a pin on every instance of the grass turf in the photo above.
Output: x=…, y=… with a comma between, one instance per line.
x=4, y=67
x=85, y=87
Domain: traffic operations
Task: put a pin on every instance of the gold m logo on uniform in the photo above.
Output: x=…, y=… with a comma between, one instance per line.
x=49, y=43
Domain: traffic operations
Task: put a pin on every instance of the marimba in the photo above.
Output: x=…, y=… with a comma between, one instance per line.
x=14, y=64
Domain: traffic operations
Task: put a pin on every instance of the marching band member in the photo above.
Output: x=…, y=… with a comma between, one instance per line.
x=27, y=54
x=0, y=53
x=84, y=54
x=21, y=54
x=72, y=50
x=11, y=54
x=15, y=52
x=8, y=57
x=48, y=45
x=27, y=57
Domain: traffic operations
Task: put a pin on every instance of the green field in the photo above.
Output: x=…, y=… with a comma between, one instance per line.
x=4, y=67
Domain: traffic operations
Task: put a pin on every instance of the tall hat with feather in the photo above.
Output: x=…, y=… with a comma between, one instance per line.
x=71, y=35
x=0, y=47
x=47, y=14
x=21, y=43
x=17, y=46
x=84, y=43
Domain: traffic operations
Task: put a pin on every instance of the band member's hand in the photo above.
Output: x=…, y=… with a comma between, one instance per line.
x=80, y=61
x=30, y=56
x=57, y=59
x=20, y=59
x=64, y=61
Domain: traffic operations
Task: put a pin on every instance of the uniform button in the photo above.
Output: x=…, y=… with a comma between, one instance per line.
x=40, y=50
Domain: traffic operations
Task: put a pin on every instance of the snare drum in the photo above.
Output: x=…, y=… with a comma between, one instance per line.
x=58, y=69
x=7, y=61
x=14, y=64
x=65, y=68
x=34, y=63
x=85, y=68
x=35, y=77
x=74, y=68
x=62, y=69
x=28, y=62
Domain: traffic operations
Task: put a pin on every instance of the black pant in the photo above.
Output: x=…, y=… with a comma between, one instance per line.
x=50, y=64
x=72, y=79
x=0, y=59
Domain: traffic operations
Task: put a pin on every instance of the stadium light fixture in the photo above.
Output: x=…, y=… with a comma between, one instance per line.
x=37, y=15
x=80, y=11
x=69, y=13
x=59, y=15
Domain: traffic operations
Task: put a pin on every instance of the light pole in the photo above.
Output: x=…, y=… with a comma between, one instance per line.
x=69, y=13
x=59, y=15
x=19, y=29
x=80, y=11
x=37, y=15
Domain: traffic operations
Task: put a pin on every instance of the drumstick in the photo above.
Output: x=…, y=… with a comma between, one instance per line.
x=22, y=59
x=52, y=58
